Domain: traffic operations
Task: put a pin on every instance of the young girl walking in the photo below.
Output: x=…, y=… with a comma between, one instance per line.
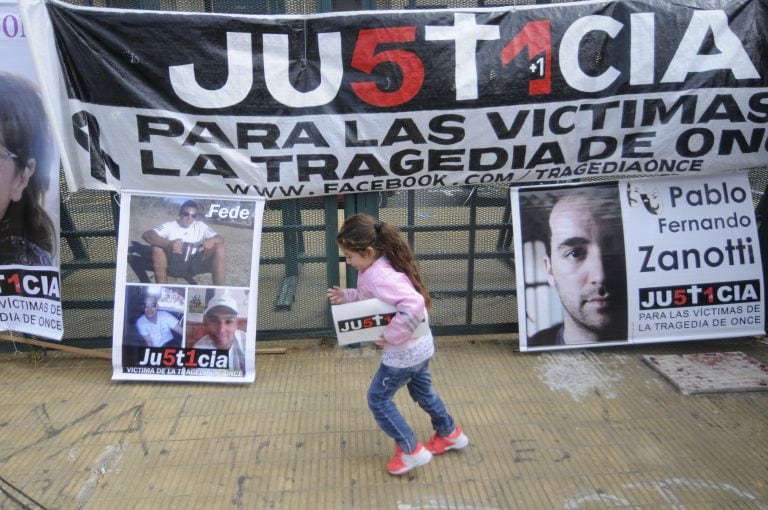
x=388, y=270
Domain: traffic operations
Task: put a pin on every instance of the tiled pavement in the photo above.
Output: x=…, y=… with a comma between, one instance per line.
x=582, y=429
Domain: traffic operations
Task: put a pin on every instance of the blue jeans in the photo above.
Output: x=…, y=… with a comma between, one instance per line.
x=418, y=379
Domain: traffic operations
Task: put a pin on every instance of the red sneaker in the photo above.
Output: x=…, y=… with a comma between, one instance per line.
x=403, y=462
x=453, y=441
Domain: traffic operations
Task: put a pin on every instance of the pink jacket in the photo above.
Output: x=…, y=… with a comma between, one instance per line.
x=382, y=281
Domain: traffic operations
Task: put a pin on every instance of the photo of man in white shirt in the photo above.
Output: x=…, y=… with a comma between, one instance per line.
x=186, y=246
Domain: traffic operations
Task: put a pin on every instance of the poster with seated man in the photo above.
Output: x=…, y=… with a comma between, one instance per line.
x=185, y=294
x=190, y=240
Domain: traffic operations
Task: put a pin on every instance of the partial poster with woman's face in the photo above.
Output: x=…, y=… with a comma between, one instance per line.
x=30, y=256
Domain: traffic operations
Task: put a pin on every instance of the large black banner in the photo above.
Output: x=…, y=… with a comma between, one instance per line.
x=288, y=106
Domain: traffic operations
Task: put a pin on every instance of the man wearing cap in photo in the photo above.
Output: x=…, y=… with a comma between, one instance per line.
x=220, y=322
x=156, y=327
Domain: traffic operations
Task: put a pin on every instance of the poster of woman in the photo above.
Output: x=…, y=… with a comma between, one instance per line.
x=29, y=193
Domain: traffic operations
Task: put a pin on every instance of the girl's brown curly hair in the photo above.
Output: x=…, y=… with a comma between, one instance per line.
x=362, y=231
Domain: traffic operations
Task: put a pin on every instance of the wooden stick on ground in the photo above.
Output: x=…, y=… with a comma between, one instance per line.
x=100, y=354
x=62, y=347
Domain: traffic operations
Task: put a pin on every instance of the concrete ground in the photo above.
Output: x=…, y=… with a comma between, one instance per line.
x=582, y=429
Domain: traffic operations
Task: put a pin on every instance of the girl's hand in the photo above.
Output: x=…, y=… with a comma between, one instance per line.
x=335, y=295
x=381, y=342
